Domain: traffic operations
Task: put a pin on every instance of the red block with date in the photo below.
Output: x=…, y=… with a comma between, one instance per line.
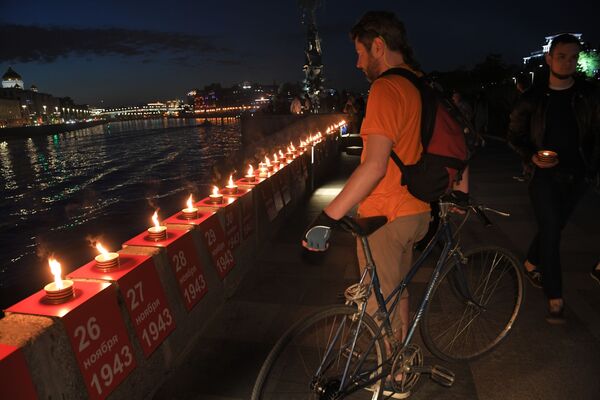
x=214, y=239
x=184, y=261
x=96, y=330
x=144, y=296
x=15, y=380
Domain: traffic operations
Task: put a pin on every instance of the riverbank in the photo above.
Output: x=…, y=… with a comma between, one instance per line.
x=44, y=130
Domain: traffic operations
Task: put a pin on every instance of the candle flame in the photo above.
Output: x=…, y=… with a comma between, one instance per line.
x=190, y=202
x=292, y=146
x=250, y=170
x=155, y=219
x=215, y=191
x=267, y=161
x=230, y=183
x=281, y=154
x=56, y=271
x=275, y=158
x=101, y=248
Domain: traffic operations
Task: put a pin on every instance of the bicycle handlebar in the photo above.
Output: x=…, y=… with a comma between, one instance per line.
x=462, y=201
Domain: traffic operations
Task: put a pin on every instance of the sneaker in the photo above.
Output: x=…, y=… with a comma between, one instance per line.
x=556, y=315
x=390, y=393
x=595, y=274
x=534, y=277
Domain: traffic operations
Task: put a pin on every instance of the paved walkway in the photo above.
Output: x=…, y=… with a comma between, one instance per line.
x=537, y=361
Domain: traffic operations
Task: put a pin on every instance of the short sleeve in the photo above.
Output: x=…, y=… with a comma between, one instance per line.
x=384, y=109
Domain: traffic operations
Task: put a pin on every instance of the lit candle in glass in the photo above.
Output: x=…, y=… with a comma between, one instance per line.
x=250, y=174
x=60, y=290
x=106, y=260
x=231, y=186
x=216, y=197
x=190, y=212
x=157, y=232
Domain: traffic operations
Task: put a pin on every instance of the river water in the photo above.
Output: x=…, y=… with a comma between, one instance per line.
x=59, y=192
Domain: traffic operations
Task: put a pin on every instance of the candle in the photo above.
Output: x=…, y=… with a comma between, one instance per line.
x=190, y=212
x=250, y=175
x=548, y=156
x=231, y=187
x=60, y=290
x=157, y=232
x=216, y=197
x=269, y=166
x=106, y=260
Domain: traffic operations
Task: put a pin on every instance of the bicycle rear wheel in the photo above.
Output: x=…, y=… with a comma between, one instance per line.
x=455, y=328
x=323, y=340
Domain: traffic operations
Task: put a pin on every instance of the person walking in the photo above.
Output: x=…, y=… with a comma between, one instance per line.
x=562, y=116
x=392, y=122
x=296, y=106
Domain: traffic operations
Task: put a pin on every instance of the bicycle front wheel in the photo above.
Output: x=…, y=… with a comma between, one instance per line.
x=309, y=360
x=456, y=327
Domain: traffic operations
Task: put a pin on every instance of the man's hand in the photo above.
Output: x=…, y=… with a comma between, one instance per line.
x=543, y=164
x=317, y=235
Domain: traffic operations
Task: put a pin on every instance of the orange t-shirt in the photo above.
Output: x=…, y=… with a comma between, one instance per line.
x=393, y=111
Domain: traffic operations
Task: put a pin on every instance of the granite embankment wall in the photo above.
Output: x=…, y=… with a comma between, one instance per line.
x=126, y=329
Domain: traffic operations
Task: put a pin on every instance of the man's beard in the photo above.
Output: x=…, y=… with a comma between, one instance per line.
x=562, y=77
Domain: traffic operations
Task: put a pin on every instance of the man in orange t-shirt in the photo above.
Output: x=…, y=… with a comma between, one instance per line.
x=392, y=121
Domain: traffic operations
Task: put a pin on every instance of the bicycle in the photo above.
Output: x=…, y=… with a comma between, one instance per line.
x=469, y=306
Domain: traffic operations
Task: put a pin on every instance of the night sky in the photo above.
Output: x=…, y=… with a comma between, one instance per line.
x=121, y=52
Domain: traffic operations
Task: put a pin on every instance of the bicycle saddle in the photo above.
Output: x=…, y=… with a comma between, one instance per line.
x=362, y=226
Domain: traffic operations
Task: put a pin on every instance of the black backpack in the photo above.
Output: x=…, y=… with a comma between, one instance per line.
x=448, y=138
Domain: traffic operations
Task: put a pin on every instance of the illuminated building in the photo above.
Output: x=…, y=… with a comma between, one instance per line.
x=35, y=108
x=11, y=79
x=243, y=96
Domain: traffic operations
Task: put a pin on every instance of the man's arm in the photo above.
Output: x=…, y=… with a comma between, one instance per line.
x=364, y=179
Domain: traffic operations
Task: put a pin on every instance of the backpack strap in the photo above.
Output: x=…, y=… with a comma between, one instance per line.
x=405, y=73
x=400, y=165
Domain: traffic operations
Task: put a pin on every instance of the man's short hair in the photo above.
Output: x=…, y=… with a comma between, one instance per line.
x=387, y=26
x=564, y=38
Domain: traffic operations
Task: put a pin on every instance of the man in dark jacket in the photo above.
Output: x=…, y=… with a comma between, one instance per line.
x=562, y=117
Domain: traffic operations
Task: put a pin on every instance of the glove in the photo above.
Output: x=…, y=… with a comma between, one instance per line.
x=317, y=235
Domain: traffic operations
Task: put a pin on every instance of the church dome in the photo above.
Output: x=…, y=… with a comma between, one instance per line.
x=11, y=75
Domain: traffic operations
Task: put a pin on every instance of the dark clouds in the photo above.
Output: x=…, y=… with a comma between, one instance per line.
x=21, y=43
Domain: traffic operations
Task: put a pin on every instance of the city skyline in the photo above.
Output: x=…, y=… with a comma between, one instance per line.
x=113, y=53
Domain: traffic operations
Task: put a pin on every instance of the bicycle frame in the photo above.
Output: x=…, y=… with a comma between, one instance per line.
x=449, y=250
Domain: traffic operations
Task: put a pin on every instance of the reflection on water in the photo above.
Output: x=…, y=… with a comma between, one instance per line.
x=103, y=182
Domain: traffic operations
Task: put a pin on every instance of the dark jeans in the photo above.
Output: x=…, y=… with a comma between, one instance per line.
x=553, y=195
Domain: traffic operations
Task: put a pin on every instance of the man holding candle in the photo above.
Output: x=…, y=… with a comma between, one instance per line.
x=392, y=122
x=555, y=127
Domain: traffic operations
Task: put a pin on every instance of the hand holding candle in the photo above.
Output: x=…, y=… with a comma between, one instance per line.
x=545, y=159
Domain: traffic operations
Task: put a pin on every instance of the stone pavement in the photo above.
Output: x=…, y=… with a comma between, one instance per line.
x=537, y=361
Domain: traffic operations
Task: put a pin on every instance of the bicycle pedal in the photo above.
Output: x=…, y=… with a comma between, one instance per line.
x=442, y=376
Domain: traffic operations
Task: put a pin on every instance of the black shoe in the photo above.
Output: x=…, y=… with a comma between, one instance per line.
x=556, y=315
x=534, y=277
x=595, y=274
